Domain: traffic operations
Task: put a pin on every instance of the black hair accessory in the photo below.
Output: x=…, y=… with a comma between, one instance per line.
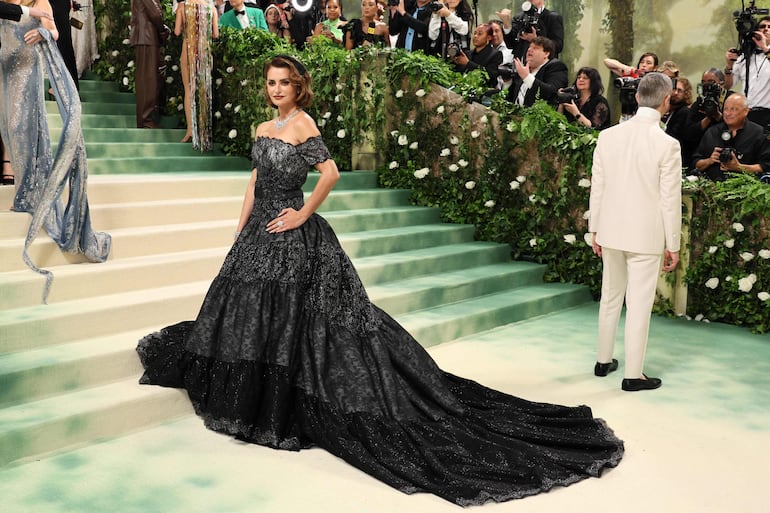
x=300, y=68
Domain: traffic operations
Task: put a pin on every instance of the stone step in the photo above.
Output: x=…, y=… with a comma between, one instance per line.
x=98, y=121
x=126, y=134
x=121, y=108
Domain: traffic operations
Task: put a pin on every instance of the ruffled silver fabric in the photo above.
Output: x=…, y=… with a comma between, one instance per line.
x=41, y=176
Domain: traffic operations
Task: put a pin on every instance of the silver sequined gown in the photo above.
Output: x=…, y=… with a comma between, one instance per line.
x=288, y=352
x=42, y=178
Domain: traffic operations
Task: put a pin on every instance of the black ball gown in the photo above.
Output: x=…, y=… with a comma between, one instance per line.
x=288, y=351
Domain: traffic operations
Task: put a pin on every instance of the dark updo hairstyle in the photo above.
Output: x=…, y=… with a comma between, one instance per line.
x=298, y=77
x=597, y=87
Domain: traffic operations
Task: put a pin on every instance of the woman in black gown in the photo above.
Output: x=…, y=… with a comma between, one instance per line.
x=288, y=352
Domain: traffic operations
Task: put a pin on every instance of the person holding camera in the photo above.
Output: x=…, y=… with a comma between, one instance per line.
x=735, y=145
x=541, y=77
x=482, y=56
x=753, y=70
x=534, y=21
x=331, y=27
x=583, y=103
x=449, y=28
x=367, y=30
x=707, y=109
x=409, y=20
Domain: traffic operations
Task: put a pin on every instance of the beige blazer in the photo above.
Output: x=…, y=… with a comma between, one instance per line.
x=636, y=187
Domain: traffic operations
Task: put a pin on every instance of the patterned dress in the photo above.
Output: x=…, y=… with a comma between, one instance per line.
x=197, y=38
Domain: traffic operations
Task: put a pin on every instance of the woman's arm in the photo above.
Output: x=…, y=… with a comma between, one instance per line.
x=179, y=20
x=618, y=67
x=215, y=24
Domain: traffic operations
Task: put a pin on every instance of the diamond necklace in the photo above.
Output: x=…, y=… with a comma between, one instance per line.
x=280, y=124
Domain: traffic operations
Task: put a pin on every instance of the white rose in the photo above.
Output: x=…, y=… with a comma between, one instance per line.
x=752, y=277
x=414, y=145
x=339, y=87
x=237, y=109
x=521, y=178
x=337, y=99
x=729, y=243
x=180, y=106
x=514, y=185
x=218, y=82
x=130, y=64
x=462, y=163
x=712, y=249
x=167, y=58
x=510, y=126
x=738, y=227
x=445, y=152
x=230, y=69
x=475, y=134
x=454, y=140
x=410, y=122
x=470, y=185
x=586, y=215
x=327, y=115
x=341, y=133
x=489, y=204
x=419, y=93
x=403, y=140
x=712, y=283
x=699, y=317
x=588, y=237
x=321, y=122
x=217, y=114
x=340, y=119
x=484, y=119
x=244, y=81
x=126, y=42
x=115, y=53
x=763, y=296
x=394, y=133
x=728, y=278
x=111, y=70
x=585, y=183
x=745, y=284
x=570, y=238
x=747, y=257
x=393, y=165
x=228, y=106
x=169, y=80
x=174, y=68
x=440, y=109
x=421, y=173
x=532, y=198
x=764, y=253
x=125, y=81
x=532, y=243
x=453, y=167
x=691, y=178
x=232, y=134
x=399, y=93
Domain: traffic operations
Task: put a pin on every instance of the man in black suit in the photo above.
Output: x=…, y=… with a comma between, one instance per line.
x=61, y=16
x=540, y=77
x=483, y=55
x=13, y=12
x=409, y=20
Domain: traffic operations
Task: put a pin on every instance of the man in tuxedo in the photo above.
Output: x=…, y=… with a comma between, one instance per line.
x=635, y=217
x=483, y=55
x=13, y=12
x=146, y=29
x=541, y=76
x=243, y=17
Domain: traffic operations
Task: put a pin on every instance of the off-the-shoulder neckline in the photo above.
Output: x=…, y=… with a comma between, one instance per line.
x=287, y=142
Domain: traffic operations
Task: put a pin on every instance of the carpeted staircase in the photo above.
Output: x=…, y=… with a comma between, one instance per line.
x=68, y=370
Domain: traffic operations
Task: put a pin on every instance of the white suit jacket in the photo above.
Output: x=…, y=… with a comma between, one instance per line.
x=636, y=187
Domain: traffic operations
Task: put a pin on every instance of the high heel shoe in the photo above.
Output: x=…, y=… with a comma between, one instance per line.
x=7, y=178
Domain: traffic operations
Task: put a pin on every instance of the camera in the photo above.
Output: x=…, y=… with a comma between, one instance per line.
x=76, y=6
x=709, y=97
x=505, y=71
x=435, y=6
x=726, y=155
x=627, y=86
x=526, y=20
x=567, y=95
x=746, y=25
x=453, y=50
x=765, y=178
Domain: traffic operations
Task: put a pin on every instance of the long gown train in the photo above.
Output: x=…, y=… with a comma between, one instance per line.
x=288, y=352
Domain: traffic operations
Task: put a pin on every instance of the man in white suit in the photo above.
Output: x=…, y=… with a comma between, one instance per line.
x=635, y=218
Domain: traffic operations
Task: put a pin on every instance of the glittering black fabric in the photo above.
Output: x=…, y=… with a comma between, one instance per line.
x=288, y=352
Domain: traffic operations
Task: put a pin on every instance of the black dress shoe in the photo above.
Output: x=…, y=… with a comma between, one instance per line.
x=634, y=385
x=602, y=369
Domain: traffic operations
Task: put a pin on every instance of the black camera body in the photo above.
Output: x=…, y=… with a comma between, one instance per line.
x=627, y=86
x=747, y=25
x=505, y=71
x=453, y=50
x=710, y=99
x=434, y=6
x=726, y=155
x=568, y=94
x=526, y=19
x=393, y=3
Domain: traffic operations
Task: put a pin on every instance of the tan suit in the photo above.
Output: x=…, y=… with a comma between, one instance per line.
x=636, y=213
x=146, y=26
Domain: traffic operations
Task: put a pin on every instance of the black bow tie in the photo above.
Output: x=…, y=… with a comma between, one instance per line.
x=240, y=13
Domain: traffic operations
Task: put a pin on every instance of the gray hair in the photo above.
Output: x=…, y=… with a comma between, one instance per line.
x=653, y=89
x=717, y=73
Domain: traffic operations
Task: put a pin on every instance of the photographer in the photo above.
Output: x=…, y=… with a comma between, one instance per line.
x=449, y=28
x=535, y=22
x=541, y=77
x=482, y=56
x=753, y=54
x=629, y=79
x=583, y=103
x=707, y=109
x=409, y=20
x=733, y=145
x=676, y=119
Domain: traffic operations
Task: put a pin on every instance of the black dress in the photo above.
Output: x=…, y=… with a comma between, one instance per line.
x=288, y=352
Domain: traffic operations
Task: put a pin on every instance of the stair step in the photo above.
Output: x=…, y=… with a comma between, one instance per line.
x=127, y=134
x=81, y=416
x=121, y=108
x=98, y=121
